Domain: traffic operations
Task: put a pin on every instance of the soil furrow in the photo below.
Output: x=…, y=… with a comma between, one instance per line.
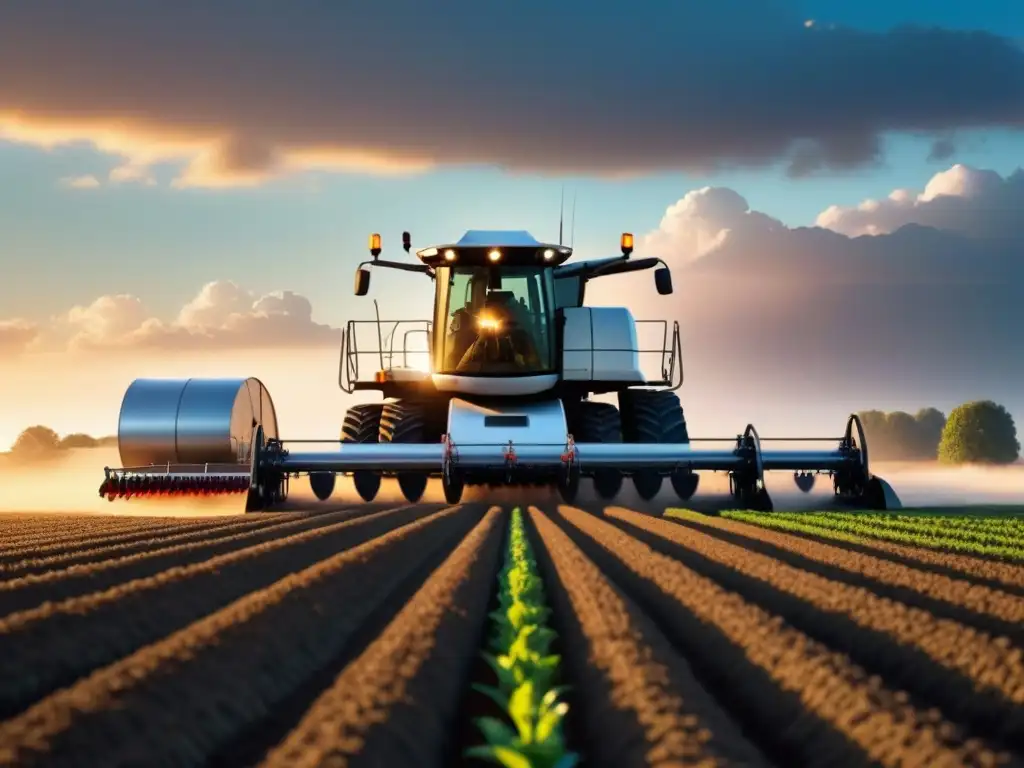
x=397, y=703
x=62, y=641
x=993, y=611
x=46, y=528
x=639, y=702
x=54, y=586
x=814, y=704
x=990, y=573
x=151, y=541
x=972, y=677
x=178, y=700
x=58, y=534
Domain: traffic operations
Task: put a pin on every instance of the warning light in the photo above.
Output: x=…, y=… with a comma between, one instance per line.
x=626, y=243
x=375, y=244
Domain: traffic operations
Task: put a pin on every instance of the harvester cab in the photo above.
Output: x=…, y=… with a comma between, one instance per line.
x=503, y=393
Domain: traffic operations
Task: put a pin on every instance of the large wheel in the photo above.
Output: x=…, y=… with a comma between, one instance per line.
x=650, y=416
x=600, y=423
x=362, y=425
x=403, y=422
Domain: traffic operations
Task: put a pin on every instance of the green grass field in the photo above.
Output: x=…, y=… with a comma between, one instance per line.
x=987, y=531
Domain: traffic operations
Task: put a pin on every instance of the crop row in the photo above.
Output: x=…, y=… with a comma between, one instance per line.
x=802, y=701
x=992, y=532
x=926, y=654
x=149, y=558
x=525, y=668
x=353, y=638
x=61, y=641
x=824, y=524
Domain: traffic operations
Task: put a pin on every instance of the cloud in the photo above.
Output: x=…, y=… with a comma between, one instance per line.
x=238, y=97
x=221, y=316
x=927, y=306
x=80, y=182
x=17, y=336
x=962, y=199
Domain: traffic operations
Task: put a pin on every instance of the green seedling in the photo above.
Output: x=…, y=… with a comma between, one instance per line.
x=525, y=667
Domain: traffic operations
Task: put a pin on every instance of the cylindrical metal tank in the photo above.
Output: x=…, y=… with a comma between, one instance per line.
x=192, y=421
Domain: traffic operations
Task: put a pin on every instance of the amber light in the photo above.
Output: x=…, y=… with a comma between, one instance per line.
x=626, y=243
x=375, y=244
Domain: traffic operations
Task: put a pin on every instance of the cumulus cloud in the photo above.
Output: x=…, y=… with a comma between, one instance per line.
x=703, y=221
x=962, y=199
x=222, y=315
x=238, y=97
x=927, y=306
x=80, y=182
x=16, y=336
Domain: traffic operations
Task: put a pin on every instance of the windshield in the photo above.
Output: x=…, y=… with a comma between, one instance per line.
x=496, y=320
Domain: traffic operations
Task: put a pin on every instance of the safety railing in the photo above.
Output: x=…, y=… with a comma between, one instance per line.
x=658, y=351
x=669, y=352
x=390, y=344
x=405, y=344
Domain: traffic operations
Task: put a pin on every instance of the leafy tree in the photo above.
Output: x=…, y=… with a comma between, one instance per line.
x=36, y=441
x=898, y=436
x=79, y=440
x=979, y=432
x=930, y=423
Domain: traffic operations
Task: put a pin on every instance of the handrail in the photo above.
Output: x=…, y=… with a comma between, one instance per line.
x=669, y=350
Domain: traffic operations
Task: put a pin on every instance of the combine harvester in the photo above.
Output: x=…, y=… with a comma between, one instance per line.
x=515, y=358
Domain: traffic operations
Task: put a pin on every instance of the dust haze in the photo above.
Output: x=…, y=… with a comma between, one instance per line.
x=69, y=483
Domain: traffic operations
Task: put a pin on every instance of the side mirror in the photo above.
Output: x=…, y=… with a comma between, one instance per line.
x=663, y=280
x=362, y=281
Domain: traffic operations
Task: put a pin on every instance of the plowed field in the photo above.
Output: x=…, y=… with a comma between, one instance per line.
x=353, y=636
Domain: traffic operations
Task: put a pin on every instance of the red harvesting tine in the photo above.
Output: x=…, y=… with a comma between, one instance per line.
x=143, y=486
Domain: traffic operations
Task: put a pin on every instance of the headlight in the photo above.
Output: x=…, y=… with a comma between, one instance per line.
x=488, y=323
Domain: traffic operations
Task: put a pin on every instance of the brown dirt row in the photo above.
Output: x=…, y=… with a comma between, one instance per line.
x=47, y=555
x=64, y=641
x=397, y=703
x=994, y=574
x=29, y=591
x=991, y=610
x=15, y=528
x=971, y=676
x=18, y=536
x=639, y=702
x=814, y=704
x=177, y=701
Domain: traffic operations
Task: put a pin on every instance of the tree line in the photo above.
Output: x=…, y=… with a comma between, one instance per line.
x=41, y=442
x=978, y=432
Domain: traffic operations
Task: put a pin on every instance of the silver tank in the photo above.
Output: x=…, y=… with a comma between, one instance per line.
x=192, y=421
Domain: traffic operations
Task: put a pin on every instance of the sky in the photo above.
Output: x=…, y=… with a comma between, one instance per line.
x=186, y=188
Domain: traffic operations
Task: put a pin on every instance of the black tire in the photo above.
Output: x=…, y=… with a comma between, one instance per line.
x=651, y=416
x=600, y=423
x=403, y=422
x=453, y=490
x=322, y=484
x=362, y=425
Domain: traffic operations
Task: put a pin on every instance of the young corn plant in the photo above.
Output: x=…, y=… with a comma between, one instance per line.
x=525, y=667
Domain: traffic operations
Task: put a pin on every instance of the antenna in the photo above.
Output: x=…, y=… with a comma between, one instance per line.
x=572, y=225
x=561, y=215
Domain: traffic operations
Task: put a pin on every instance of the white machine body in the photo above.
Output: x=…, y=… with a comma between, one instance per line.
x=537, y=423
x=600, y=344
